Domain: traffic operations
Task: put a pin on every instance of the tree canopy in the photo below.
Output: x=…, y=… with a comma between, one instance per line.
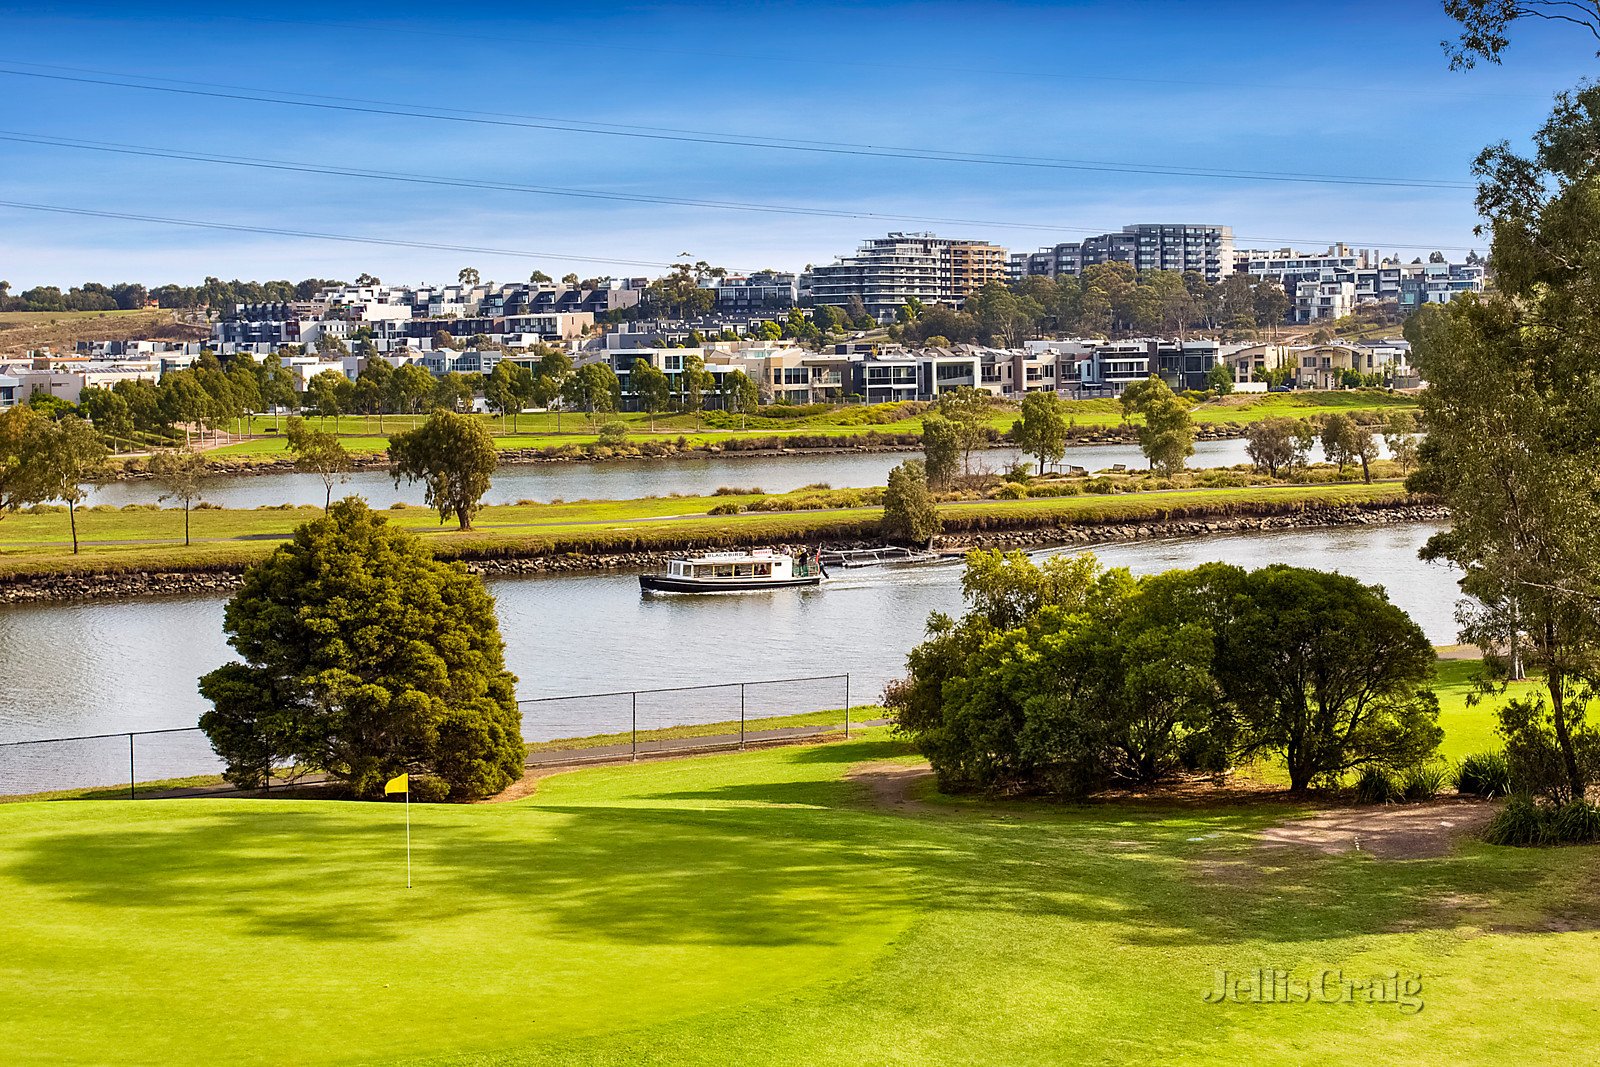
x=910, y=515
x=453, y=456
x=1067, y=677
x=364, y=657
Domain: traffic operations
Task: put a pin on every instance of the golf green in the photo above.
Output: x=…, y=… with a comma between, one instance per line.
x=762, y=907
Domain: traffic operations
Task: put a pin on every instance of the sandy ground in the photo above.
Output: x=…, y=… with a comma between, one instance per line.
x=1390, y=831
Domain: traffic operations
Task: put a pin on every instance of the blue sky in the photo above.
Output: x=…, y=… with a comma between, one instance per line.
x=1349, y=89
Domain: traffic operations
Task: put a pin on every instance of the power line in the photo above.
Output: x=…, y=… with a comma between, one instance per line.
x=299, y=167
x=671, y=134
x=347, y=238
x=811, y=62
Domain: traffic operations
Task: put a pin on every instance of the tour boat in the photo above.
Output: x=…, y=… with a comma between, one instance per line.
x=720, y=572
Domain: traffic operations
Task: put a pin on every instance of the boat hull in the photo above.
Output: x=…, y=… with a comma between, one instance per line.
x=671, y=583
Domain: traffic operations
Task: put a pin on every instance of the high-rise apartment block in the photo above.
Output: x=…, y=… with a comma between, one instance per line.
x=1182, y=247
x=888, y=271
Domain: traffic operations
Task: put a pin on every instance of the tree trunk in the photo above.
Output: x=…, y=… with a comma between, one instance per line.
x=1569, y=757
x=72, y=519
x=463, y=516
x=186, y=523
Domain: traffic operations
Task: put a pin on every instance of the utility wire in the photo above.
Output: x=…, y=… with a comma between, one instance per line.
x=299, y=167
x=654, y=133
x=60, y=209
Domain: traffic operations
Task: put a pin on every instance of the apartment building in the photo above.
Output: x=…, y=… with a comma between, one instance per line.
x=1332, y=284
x=1204, y=249
x=887, y=272
x=764, y=291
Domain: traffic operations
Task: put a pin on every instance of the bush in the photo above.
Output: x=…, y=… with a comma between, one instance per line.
x=429, y=789
x=1577, y=823
x=1012, y=491
x=141, y=507
x=1484, y=774
x=613, y=433
x=1375, y=786
x=729, y=490
x=1422, y=782
x=1521, y=822
x=1100, y=485
x=726, y=509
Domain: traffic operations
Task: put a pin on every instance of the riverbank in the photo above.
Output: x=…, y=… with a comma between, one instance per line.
x=545, y=437
x=637, y=535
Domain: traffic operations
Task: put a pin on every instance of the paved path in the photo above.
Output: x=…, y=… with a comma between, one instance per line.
x=662, y=748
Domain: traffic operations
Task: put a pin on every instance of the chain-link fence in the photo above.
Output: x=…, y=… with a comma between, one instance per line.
x=646, y=721
x=596, y=726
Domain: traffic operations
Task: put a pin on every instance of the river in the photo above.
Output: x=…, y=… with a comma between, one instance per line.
x=693, y=475
x=99, y=667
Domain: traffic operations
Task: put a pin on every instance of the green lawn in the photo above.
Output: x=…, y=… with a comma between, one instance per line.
x=134, y=539
x=547, y=430
x=759, y=908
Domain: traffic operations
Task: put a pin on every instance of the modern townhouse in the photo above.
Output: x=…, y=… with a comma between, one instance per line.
x=1107, y=369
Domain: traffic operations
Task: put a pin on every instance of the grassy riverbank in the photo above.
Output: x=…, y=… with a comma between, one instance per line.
x=792, y=905
x=144, y=539
x=364, y=433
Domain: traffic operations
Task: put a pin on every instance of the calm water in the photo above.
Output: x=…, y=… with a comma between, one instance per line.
x=86, y=668
x=625, y=480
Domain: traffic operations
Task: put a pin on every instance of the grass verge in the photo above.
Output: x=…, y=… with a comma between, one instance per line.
x=121, y=541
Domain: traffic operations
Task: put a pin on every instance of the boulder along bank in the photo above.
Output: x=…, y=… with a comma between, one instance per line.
x=1192, y=522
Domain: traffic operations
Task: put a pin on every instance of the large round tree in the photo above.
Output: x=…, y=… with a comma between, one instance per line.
x=365, y=657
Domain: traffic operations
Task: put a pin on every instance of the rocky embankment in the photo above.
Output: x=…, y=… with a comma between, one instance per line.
x=31, y=588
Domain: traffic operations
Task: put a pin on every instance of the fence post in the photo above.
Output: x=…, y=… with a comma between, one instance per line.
x=847, y=705
x=130, y=766
x=741, y=714
x=635, y=696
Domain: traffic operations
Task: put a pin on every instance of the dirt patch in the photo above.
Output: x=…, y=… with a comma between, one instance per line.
x=1394, y=831
x=528, y=784
x=890, y=784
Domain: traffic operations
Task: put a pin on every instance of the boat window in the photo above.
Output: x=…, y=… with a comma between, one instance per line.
x=743, y=570
x=763, y=570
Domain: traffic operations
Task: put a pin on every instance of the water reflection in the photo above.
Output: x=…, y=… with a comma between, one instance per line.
x=100, y=667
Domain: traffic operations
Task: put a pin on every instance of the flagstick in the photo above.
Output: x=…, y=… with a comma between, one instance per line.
x=408, y=834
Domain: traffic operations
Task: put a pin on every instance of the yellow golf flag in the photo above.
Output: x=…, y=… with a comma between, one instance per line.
x=401, y=784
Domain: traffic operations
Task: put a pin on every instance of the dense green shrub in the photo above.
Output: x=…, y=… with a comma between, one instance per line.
x=1066, y=678
x=1376, y=786
x=1484, y=774
x=1525, y=821
x=1520, y=822
x=1012, y=491
x=726, y=509
x=1423, y=781
x=1575, y=823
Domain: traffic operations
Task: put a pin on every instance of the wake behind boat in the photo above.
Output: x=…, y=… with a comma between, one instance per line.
x=720, y=572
